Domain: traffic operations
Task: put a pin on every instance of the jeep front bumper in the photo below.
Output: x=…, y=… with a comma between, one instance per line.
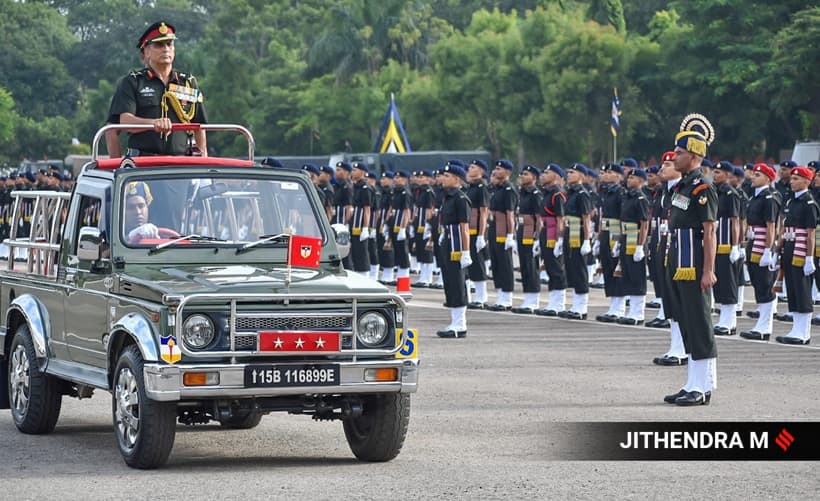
x=165, y=382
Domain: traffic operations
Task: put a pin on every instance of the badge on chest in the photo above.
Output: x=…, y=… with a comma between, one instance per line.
x=680, y=201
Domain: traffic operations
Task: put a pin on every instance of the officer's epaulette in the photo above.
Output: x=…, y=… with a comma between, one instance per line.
x=135, y=73
x=700, y=188
x=508, y=188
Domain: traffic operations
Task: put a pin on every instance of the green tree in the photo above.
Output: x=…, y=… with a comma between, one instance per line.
x=7, y=116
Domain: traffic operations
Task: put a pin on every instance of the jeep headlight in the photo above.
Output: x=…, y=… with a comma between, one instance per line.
x=372, y=328
x=198, y=331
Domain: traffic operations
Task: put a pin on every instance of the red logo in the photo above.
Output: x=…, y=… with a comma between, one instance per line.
x=784, y=439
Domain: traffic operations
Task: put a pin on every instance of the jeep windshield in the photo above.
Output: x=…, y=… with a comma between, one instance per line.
x=214, y=211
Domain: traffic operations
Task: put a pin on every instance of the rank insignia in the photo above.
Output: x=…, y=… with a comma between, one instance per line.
x=702, y=200
x=169, y=350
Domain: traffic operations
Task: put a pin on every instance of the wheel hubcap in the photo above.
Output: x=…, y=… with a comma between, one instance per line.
x=19, y=380
x=127, y=413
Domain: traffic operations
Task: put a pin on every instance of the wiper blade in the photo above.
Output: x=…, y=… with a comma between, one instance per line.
x=262, y=240
x=191, y=238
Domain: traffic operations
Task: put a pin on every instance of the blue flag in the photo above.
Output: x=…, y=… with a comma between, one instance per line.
x=392, y=138
x=616, y=113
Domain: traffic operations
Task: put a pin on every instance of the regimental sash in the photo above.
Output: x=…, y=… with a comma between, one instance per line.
x=817, y=242
x=551, y=230
x=758, y=243
x=631, y=232
x=801, y=245
x=527, y=228
x=501, y=229
x=474, y=220
x=686, y=247
x=574, y=223
x=454, y=233
x=356, y=222
x=613, y=226
x=724, y=235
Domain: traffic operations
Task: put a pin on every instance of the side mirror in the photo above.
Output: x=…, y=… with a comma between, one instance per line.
x=90, y=244
x=342, y=236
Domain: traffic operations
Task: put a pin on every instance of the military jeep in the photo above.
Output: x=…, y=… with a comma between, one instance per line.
x=170, y=283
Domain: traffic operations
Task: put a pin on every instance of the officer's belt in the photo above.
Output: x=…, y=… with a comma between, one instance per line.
x=631, y=232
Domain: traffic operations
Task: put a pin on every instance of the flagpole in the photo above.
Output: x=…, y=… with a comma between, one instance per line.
x=614, y=149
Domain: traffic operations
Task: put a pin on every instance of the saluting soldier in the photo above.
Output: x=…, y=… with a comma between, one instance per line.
x=691, y=261
x=455, y=216
x=762, y=217
x=479, y=196
x=400, y=206
x=502, y=209
x=527, y=236
x=385, y=219
x=797, y=254
x=634, y=219
x=425, y=201
x=360, y=220
x=606, y=245
x=576, y=242
x=728, y=248
x=552, y=238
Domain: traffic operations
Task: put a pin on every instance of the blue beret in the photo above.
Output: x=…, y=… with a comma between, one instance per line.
x=371, y=174
x=583, y=169
x=43, y=171
x=725, y=166
x=749, y=166
x=456, y=161
x=653, y=169
x=788, y=164
x=592, y=172
x=403, y=173
x=31, y=176
x=55, y=167
x=629, y=162
x=556, y=169
x=344, y=165
x=272, y=162
x=706, y=162
x=59, y=176
x=531, y=169
x=360, y=166
x=739, y=172
x=611, y=167
x=480, y=163
x=327, y=169
x=389, y=173
x=456, y=170
x=3, y=178
x=13, y=175
x=639, y=173
x=311, y=168
x=504, y=164
x=425, y=173
x=814, y=164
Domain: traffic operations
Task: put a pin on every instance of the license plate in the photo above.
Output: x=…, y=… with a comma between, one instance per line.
x=276, y=376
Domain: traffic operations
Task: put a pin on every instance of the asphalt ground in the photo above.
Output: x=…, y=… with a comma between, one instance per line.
x=485, y=424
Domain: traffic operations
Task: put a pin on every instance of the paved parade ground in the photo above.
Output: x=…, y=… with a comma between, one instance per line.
x=490, y=413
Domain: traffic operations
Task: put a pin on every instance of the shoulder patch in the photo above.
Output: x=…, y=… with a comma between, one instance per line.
x=703, y=200
x=700, y=188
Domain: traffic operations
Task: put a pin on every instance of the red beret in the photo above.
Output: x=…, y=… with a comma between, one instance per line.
x=669, y=156
x=803, y=172
x=765, y=169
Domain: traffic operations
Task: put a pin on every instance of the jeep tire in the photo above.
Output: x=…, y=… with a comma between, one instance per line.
x=35, y=397
x=378, y=434
x=242, y=421
x=144, y=428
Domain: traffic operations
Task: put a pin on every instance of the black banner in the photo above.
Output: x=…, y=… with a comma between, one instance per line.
x=685, y=441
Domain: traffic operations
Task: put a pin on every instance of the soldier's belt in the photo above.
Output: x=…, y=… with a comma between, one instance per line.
x=356, y=231
x=420, y=229
x=631, y=232
x=800, y=238
x=758, y=243
x=574, y=223
x=551, y=244
x=527, y=241
x=473, y=232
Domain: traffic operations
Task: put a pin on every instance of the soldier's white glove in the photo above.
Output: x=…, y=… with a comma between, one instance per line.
x=466, y=260
x=734, y=254
x=427, y=232
x=510, y=242
x=663, y=228
x=808, y=266
x=750, y=234
x=480, y=243
x=373, y=234
x=639, y=254
x=536, y=247
x=243, y=232
x=775, y=264
x=766, y=259
x=412, y=230
x=441, y=238
x=364, y=235
x=616, y=250
x=559, y=247
x=596, y=248
x=401, y=236
x=743, y=253
x=385, y=230
x=146, y=230
x=585, y=248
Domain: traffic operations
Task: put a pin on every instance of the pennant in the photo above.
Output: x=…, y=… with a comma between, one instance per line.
x=304, y=252
x=392, y=137
x=616, y=114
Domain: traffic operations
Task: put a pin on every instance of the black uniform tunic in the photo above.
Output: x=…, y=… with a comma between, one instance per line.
x=725, y=290
x=552, y=208
x=763, y=208
x=399, y=201
x=694, y=201
x=578, y=204
x=359, y=251
x=386, y=253
x=342, y=197
x=611, y=197
x=375, y=225
x=141, y=93
x=455, y=209
x=529, y=208
x=800, y=214
x=634, y=211
x=435, y=224
x=425, y=204
x=504, y=198
x=479, y=197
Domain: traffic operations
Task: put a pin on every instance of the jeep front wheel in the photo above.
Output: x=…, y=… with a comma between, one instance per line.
x=378, y=434
x=34, y=396
x=144, y=428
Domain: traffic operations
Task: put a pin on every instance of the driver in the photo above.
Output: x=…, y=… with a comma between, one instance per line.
x=137, y=199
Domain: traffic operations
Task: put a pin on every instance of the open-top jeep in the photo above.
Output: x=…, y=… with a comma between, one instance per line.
x=168, y=282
